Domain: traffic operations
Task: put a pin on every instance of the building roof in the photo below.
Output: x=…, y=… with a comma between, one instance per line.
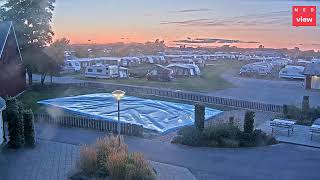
x=312, y=69
x=184, y=66
x=163, y=67
x=4, y=32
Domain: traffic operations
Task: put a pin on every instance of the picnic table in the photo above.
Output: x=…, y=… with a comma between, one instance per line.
x=283, y=123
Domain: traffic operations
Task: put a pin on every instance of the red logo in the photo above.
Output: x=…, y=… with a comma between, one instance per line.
x=304, y=16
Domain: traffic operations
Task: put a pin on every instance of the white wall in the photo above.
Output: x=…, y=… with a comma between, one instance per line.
x=315, y=82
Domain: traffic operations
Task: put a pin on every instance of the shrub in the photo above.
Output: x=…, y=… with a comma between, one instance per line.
x=285, y=110
x=15, y=123
x=88, y=160
x=199, y=116
x=109, y=158
x=231, y=120
x=222, y=135
x=230, y=143
x=117, y=162
x=220, y=131
x=248, y=125
x=305, y=104
x=138, y=168
x=256, y=138
x=189, y=136
x=303, y=118
x=105, y=146
x=29, y=133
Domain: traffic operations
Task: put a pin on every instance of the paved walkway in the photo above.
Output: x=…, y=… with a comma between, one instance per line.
x=300, y=136
x=283, y=161
x=47, y=161
x=54, y=160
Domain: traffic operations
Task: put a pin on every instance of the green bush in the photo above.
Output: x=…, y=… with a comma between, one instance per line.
x=29, y=132
x=189, y=135
x=256, y=138
x=305, y=104
x=199, y=116
x=285, y=110
x=303, y=118
x=221, y=131
x=222, y=135
x=138, y=168
x=248, y=125
x=15, y=123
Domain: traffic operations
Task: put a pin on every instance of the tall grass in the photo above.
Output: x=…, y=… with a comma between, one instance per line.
x=109, y=157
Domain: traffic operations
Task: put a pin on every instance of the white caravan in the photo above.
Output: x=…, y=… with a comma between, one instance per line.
x=292, y=72
x=257, y=68
x=71, y=65
x=106, y=72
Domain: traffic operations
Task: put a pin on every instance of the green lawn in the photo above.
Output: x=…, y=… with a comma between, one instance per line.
x=210, y=79
x=30, y=98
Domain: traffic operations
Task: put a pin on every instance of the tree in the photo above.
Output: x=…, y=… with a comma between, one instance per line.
x=31, y=19
x=199, y=116
x=43, y=64
x=248, y=125
x=56, y=52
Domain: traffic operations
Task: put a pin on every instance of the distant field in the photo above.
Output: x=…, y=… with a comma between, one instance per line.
x=210, y=79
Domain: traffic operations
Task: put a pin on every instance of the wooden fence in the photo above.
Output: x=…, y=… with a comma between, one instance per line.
x=82, y=122
x=182, y=95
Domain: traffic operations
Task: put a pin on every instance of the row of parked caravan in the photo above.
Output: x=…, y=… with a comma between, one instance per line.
x=286, y=68
x=80, y=64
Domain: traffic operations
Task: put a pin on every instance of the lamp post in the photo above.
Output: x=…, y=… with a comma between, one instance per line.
x=118, y=95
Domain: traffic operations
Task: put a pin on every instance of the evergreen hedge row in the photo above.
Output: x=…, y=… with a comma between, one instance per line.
x=20, y=124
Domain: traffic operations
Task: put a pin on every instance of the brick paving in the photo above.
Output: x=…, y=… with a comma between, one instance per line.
x=48, y=160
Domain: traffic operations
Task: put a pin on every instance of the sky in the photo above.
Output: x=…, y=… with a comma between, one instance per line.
x=243, y=23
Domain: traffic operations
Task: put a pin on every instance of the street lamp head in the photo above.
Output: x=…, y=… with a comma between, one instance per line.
x=118, y=94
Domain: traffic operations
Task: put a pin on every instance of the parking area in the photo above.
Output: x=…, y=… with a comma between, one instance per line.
x=267, y=91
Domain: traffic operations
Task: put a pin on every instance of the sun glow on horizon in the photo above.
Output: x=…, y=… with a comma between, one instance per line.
x=266, y=23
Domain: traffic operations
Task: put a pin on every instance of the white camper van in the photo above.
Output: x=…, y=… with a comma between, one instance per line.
x=106, y=72
x=316, y=61
x=71, y=66
x=292, y=72
x=257, y=68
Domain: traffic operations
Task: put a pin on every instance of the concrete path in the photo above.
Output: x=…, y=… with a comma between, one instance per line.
x=170, y=172
x=300, y=135
x=283, y=161
x=47, y=161
x=57, y=161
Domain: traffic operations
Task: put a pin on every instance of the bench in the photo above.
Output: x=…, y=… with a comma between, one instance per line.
x=287, y=124
x=315, y=128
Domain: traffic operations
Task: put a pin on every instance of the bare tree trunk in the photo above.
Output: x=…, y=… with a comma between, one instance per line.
x=43, y=78
x=29, y=77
